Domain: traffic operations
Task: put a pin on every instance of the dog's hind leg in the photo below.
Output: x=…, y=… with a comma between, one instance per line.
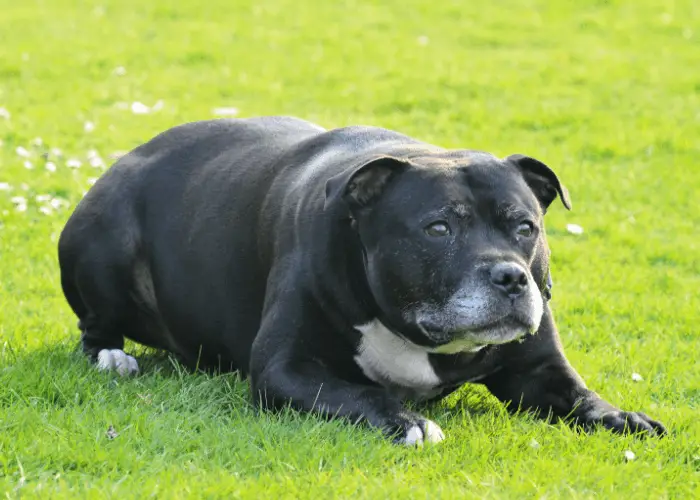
x=96, y=286
x=108, y=313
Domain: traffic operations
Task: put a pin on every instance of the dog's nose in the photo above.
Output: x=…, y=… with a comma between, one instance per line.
x=509, y=278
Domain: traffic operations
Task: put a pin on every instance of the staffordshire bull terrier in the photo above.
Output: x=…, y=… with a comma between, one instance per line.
x=344, y=271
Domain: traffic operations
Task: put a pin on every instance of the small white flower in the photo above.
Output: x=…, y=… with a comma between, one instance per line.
x=139, y=108
x=58, y=203
x=97, y=162
x=225, y=111
x=22, y=152
x=423, y=40
x=45, y=210
x=37, y=142
x=56, y=152
x=119, y=71
x=50, y=166
x=28, y=165
x=41, y=198
x=89, y=126
x=4, y=113
x=20, y=203
x=637, y=377
x=534, y=444
x=94, y=159
x=574, y=229
x=73, y=163
x=92, y=180
x=629, y=455
x=4, y=186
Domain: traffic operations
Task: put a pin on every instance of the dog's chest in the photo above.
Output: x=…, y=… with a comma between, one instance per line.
x=400, y=366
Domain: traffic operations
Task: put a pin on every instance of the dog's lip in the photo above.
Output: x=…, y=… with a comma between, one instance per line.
x=443, y=336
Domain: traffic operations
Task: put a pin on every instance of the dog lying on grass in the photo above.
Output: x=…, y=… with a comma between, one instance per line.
x=346, y=271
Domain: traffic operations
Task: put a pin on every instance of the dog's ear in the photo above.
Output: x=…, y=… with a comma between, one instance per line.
x=360, y=185
x=541, y=179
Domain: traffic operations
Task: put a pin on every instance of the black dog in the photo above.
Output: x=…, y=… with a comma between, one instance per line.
x=343, y=270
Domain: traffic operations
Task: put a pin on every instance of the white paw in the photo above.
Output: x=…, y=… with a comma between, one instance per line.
x=416, y=437
x=116, y=359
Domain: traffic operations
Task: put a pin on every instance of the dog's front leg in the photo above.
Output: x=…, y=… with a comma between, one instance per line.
x=306, y=385
x=536, y=375
x=283, y=373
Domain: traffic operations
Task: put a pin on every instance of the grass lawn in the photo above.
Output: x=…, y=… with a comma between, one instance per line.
x=606, y=92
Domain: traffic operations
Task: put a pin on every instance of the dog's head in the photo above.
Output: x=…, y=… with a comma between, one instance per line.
x=454, y=243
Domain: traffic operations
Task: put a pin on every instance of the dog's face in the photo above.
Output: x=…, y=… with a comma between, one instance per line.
x=455, y=250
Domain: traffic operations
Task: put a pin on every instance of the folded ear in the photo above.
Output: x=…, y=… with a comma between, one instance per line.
x=360, y=185
x=541, y=179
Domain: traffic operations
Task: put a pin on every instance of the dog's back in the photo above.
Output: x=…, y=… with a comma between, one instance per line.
x=163, y=194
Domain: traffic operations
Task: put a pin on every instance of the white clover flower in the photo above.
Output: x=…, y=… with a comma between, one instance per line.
x=574, y=229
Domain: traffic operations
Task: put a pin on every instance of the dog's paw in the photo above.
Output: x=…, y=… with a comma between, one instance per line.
x=117, y=360
x=415, y=432
x=623, y=422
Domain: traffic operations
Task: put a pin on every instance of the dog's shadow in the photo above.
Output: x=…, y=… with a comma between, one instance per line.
x=61, y=374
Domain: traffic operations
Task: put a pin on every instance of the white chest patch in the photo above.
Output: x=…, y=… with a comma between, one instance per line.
x=392, y=361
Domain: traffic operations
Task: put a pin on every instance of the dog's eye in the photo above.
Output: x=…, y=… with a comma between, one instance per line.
x=525, y=229
x=438, y=229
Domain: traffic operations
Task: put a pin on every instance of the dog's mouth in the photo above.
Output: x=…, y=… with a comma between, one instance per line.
x=451, y=340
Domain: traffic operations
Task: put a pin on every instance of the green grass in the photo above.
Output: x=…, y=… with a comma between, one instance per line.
x=606, y=92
